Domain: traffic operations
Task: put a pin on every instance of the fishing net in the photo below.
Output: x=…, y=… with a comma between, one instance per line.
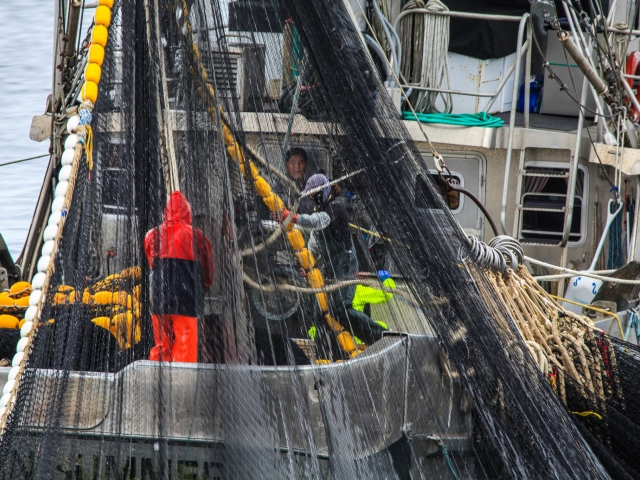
x=206, y=334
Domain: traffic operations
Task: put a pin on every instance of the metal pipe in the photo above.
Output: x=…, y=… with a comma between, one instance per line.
x=527, y=76
x=512, y=122
x=633, y=77
x=31, y=251
x=503, y=82
x=625, y=31
x=75, y=6
x=583, y=63
x=612, y=12
x=577, y=33
x=573, y=168
x=636, y=219
x=455, y=92
x=478, y=16
x=527, y=103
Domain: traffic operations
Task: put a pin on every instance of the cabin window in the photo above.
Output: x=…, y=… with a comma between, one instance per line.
x=453, y=200
x=544, y=196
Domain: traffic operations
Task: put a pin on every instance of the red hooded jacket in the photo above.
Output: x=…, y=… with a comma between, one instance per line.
x=180, y=259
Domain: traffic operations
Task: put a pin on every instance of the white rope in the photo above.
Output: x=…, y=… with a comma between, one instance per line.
x=431, y=45
x=576, y=273
x=569, y=275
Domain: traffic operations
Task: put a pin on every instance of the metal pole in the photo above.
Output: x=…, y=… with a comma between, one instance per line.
x=527, y=75
x=478, y=16
x=573, y=18
x=69, y=51
x=455, y=92
x=512, y=121
x=503, y=82
x=527, y=103
x=573, y=169
x=636, y=219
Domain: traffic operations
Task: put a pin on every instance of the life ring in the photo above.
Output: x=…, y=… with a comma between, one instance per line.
x=633, y=62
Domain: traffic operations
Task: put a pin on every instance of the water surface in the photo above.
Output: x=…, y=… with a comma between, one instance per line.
x=26, y=65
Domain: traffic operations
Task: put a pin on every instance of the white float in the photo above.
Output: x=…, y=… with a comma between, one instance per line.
x=47, y=248
x=65, y=173
x=37, y=282
x=30, y=314
x=5, y=400
x=72, y=124
x=43, y=263
x=8, y=387
x=17, y=360
x=50, y=232
x=67, y=156
x=61, y=189
x=34, y=298
x=71, y=141
x=22, y=344
x=54, y=218
x=13, y=373
x=57, y=205
x=26, y=329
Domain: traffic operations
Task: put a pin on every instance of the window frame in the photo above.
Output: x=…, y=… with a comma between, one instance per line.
x=454, y=173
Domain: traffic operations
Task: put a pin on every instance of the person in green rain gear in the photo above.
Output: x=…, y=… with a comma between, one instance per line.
x=359, y=323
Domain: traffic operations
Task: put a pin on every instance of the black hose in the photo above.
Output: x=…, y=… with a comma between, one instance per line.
x=464, y=191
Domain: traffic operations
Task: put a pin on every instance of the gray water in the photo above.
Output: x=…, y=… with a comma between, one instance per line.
x=26, y=44
x=26, y=66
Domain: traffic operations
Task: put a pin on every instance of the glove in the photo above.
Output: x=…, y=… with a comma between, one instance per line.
x=383, y=275
x=285, y=214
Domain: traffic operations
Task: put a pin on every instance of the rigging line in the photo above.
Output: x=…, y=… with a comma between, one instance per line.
x=576, y=273
x=588, y=31
x=607, y=33
x=333, y=182
x=560, y=276
x=24, y=159
x=287, y=287
x=612, y=184
x=375, y=234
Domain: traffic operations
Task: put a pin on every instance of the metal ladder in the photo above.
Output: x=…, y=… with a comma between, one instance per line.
x=572, y=174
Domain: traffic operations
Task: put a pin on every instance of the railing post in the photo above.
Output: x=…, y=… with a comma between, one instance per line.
x=512, y=121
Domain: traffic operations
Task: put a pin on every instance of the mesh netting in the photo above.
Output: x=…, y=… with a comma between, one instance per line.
x=227, y=331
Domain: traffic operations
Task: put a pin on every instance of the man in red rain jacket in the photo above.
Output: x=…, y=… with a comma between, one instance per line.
x=181, y=272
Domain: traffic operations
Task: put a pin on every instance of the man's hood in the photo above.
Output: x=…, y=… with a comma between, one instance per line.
x=178, y=209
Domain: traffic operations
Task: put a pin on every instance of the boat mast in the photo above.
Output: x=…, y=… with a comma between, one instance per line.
x=65, y=35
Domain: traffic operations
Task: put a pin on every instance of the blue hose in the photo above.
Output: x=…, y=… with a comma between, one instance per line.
x=615, y=259
x=481, y=119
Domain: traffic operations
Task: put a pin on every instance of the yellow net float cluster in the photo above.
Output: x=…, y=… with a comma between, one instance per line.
x=123, y=326
x=16, y=297
x=95, y=56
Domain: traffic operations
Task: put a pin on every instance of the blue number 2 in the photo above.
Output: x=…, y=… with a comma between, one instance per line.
x=575, y=284
x=594, y=289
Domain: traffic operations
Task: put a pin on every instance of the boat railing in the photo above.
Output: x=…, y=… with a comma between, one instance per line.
x=523, y=49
